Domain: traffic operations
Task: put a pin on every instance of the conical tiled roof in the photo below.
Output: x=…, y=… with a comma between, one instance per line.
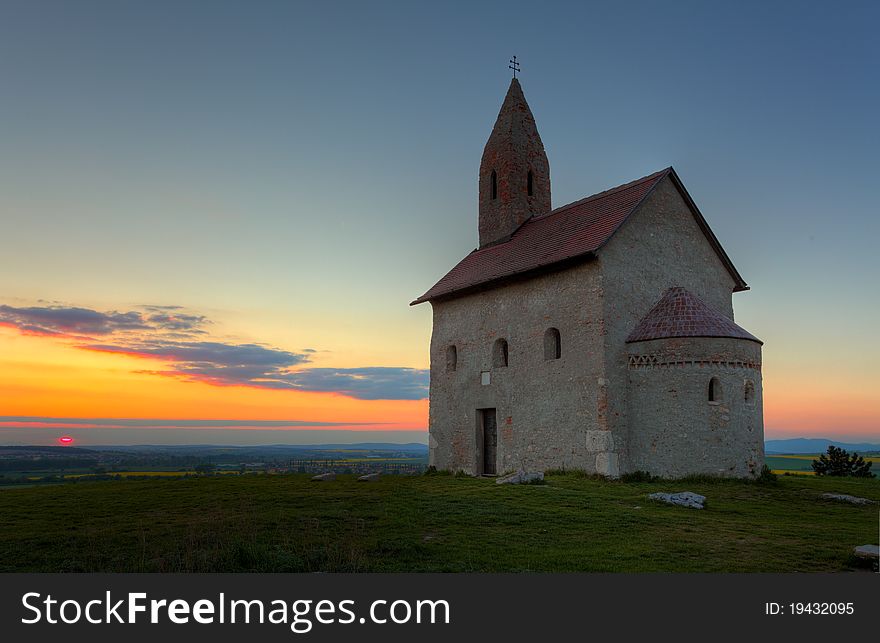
x=514, y=171
x=515, y=119
x=680, y=313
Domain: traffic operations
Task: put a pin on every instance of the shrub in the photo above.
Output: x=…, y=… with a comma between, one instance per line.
x=840, y=463
x=766, y=476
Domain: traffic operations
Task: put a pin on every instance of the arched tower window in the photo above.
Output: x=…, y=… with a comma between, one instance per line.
x=552, y=344
x=499, y=353
x=749, y=393
x=493, y=188
x=529, y=183
x=715, y=394
x=451, y=358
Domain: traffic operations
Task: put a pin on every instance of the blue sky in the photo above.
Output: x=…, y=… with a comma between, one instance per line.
x=301, y=171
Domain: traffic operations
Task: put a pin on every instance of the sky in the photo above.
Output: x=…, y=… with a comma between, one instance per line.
x=215, y=214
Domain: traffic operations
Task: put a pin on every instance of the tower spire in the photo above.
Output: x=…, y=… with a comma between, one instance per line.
x=514, y=171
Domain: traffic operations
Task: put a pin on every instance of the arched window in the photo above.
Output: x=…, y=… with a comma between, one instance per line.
x=715, y=390
x=499, y=353
x=494, y=185
x=749, y=393
x=529, y=183
x=451, y=358
x=552, y=344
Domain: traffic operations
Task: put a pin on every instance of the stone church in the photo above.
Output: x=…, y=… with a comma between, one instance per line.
x=597, y=336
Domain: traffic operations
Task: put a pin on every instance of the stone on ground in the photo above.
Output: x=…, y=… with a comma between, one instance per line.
x=682, y=499
x=520, y=477
x=370, y=477
x=324, y=477
x=868, y=552
x=842, y=497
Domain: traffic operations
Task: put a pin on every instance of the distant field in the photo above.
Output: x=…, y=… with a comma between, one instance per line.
x=373, y=460
x=430, y=523
x=349, y=465
x=86, y=472
x=800, y=463
x=143, y=474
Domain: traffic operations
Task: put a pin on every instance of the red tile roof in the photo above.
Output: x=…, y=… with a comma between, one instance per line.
x=571, y=232
x=680, y=313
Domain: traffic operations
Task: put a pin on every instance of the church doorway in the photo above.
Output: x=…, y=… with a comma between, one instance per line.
x=487, y=440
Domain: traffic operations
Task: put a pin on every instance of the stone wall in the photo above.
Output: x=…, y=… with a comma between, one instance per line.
x=548, y=411
x=676, y=429
x=661, y=245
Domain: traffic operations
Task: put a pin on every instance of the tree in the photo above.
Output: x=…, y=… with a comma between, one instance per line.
x=840, y=463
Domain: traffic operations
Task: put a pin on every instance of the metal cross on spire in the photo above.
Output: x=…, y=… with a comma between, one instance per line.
x=514, y=66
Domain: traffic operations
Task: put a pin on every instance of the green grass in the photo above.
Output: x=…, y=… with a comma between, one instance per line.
x=431, y=523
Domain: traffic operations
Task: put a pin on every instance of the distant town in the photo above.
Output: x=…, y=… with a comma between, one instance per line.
x=34, y=465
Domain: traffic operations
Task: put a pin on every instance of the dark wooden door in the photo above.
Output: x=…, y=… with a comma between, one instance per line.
x=490, y=442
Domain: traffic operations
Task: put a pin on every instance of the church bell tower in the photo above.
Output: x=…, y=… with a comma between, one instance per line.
x=514, y=172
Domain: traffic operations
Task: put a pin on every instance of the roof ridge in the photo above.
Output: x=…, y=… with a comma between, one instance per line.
x=563, y=208
x=577, y=232
x=603, y=193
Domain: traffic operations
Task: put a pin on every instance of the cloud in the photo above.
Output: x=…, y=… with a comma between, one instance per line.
x=218, y=353
x=178, y=321
x=218, y=363
x=58, y=320
x=262, y=367
x=177, y=337
x=76, y=321
x=368, y=383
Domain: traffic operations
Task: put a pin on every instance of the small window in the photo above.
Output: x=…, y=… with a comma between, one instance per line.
x=715, y=390
x=451, y=358
x=485, y=378
x=494, y=186
x=552, y=344
x=499, y=353
x=529, y=183
x=749, y=393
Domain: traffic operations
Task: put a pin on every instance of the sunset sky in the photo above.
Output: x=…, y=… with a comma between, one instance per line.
x=215, y=214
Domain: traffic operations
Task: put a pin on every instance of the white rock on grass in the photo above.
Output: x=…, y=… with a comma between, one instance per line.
x=520, y=477
x=370, y=477
x=869, y=552
x=682, y=499
x=842, y=497
x=324, y=477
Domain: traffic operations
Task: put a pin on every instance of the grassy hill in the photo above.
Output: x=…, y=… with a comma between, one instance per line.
x=431, y=523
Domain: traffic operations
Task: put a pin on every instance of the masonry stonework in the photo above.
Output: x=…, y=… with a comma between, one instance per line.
x=514, y=179
x=676, y=429
x=621, y=350
x=544, y=408
x=659, y=246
